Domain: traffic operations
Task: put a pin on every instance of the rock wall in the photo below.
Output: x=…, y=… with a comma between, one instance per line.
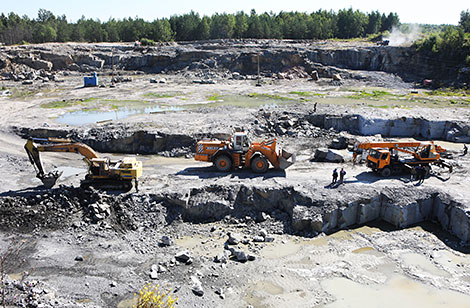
x=240, y=56
x=302, y=211
x=454, y=131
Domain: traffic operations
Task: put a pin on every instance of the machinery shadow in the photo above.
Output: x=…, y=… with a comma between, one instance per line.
x=210, y=172
x=41, y=189
x=372, y=177
x=25, y=191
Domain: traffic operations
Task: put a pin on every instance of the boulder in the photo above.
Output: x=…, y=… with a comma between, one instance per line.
x=336, y=77
x=34, y=63
x=59, y=61
x=166, y=241
x=196, y=286
x=88, y=59
x=233, y=238
x=315, y=76
x=183, y=257
x=328, y=155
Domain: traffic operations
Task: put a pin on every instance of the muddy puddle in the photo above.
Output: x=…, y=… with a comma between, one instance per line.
x=398, y=291
x=248, y=101
x=96, y=116
x=202, y=246
x=257, y=292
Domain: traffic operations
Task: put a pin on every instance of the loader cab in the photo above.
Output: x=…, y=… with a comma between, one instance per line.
x=240, y=142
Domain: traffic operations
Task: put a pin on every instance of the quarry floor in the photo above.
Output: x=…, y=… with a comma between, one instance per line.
x=365, y=266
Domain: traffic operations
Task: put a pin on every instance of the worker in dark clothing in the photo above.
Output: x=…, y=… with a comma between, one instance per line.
x=414, y=174
x=335, y=176
x=418, y=173
x=421, y=174
x=465, y=149
x=342, y=173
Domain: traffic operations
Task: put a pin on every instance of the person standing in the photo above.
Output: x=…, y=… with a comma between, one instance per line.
x=335, y=176
x=420, y=173
x=342, y=173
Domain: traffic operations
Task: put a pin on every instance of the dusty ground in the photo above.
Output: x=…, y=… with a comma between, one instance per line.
x=365, y=266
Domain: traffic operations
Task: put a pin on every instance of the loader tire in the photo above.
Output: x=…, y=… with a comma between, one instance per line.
x=259, y=164
x=223, y=163
x=385, y=172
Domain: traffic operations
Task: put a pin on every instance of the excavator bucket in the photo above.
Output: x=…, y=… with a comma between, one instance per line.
x=49, y=179
x=286, y=159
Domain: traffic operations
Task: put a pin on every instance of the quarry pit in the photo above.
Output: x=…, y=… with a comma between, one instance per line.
x=285, y=238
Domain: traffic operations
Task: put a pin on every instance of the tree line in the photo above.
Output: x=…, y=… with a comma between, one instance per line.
x=451, y=44
x=322, y=24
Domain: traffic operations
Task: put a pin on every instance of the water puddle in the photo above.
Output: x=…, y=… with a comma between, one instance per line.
x=420, y=261
x=398, y=291
x=96, y=116
x=247, y=101
x=280, y=249
x=202, y=246
x=363, y=250
x=71, y=171
x=260, y=290
x=127, y=303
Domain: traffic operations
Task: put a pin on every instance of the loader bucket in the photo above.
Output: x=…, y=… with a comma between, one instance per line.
x=49, y=179
x=286, y=159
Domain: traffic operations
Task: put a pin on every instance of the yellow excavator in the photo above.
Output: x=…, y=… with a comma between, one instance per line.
x=102, y=172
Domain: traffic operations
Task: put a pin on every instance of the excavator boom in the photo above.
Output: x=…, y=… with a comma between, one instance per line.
x=101, y=171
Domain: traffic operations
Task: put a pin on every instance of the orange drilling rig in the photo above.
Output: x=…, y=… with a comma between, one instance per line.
x=240, y=152
x=384, y=158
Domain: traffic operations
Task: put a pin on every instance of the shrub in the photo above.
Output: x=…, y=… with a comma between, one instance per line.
x=147, y=42
x=150, y=296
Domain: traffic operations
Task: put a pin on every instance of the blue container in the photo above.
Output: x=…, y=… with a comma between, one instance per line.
x=91, y=81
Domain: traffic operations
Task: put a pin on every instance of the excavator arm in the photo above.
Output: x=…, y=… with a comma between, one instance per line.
x=54, y=145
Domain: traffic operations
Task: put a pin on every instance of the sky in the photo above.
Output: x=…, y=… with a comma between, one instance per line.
x=424, y=12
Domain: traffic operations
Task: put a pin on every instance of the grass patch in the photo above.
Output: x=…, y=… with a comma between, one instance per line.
x=61, y=104
x=214, y=97
x=376, y=94
x=22, y=93
x=159, y=95
x=270, y=96
x=305, y=93
x=380, y=106
x=449, y=92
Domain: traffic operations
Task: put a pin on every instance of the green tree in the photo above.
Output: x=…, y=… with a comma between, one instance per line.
x=203, y=29
x=373, y=23
x=44, y=33
x=388, y=22
x=351, y=23
x=465, y=20
x=241, y=25
x=45, y=16
x=254, y=26
x=185, y=26
x=222, y=26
